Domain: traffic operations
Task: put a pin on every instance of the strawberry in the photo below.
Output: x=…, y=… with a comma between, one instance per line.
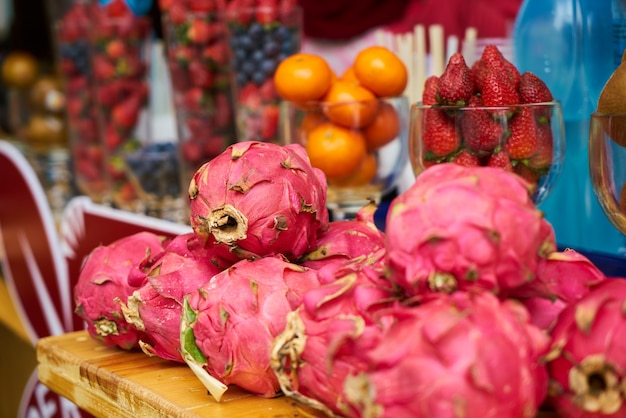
x=214, y=145
x=177, y=13
x=268, y=91
x=194, y=100
x=182, y=55
x=223, y=115
x=249, y=96
x=523, y=141
x=528, y=174
x=202, y=5
x=216, y=54
x=466, y=158
x=481, y=131
x=191, y=151
x=500, y=159
x=269, y=122
x=112, y=138
x=197, y=126
x=440, y=136
x=542, y=159
x=103, y=69
x=109, y=94
x=498, y=89
x=117, y=8
x=201, y=75
x=267, y=11
x=492, y=59
x=115, y=49
x=533, y=90
x=125, y=114
x=199, y=32
x=456, y=84
x=429, y=95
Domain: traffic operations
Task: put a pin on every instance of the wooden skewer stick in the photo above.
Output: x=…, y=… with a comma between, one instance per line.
x=419, y=61
x=435, y=33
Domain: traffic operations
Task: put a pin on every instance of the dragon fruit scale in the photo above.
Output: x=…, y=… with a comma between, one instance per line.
x=346, y=239
x=260, y=199
x=156, y=307
x=465, y=228
x=228, y=325
x=563, y=277
x=587, y=359
x=454, y=355
x=103, y=285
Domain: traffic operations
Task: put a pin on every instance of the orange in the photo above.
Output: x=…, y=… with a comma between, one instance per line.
x=350, y=105
x=381, y=71
x=363, y=175
x=349, y=75
x=303, y=77
x=384, y=128
x=20, y=70
x=310, y=120
x=335, y=150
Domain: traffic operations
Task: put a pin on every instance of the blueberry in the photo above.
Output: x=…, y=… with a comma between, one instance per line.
x=258, y=77
x=247, y=67
x=281, y=33
x=271, y=48
x=245, y=43
x=258, y=56
x=268, y=66
x=242, y=78
x=255, y=30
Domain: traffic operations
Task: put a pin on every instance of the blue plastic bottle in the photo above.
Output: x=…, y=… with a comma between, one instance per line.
x=566, y=43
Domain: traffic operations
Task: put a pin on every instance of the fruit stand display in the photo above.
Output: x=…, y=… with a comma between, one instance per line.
x=460, y=305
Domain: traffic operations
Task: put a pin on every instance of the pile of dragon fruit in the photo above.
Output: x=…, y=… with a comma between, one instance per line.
x=462, y=307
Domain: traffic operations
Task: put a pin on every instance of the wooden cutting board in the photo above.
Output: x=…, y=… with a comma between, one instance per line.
x=110, y=383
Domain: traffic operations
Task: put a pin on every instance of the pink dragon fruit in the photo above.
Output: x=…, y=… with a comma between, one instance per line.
x=260, y=199
x=465, y=228
x=229, y=324
x=342, y=309
x=103, y=285
x=459, y=355
x=587, y=360
x=346, y=239
x=563, y=277
x=156, y=307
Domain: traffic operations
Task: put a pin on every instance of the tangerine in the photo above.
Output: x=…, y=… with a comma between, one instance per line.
x=20, y=70
x=349, y=75
x=381, y=71
x=310, y=120
x=384, y=128
x=335, y=150
x=364, y=174
x=350, y=105
x=303, y=77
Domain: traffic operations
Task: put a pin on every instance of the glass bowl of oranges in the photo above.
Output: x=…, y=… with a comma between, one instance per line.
x=361, y=146
x=354, y=127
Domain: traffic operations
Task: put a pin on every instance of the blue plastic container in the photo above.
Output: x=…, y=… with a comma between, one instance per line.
x=565, y=43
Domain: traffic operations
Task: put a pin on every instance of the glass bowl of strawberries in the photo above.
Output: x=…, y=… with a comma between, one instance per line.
x=489, y=115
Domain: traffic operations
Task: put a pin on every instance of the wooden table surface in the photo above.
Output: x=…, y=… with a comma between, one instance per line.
x=109, y=382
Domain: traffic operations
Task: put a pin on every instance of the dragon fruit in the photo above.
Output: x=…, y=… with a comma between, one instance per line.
x=343, y=308
x=229, y=324
x=428, y=360
x=260, y=199
x=563, y=277
x=465, y=228
x=587, y=359
x=156, y=307
x=103, y=285
x=346, y=239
